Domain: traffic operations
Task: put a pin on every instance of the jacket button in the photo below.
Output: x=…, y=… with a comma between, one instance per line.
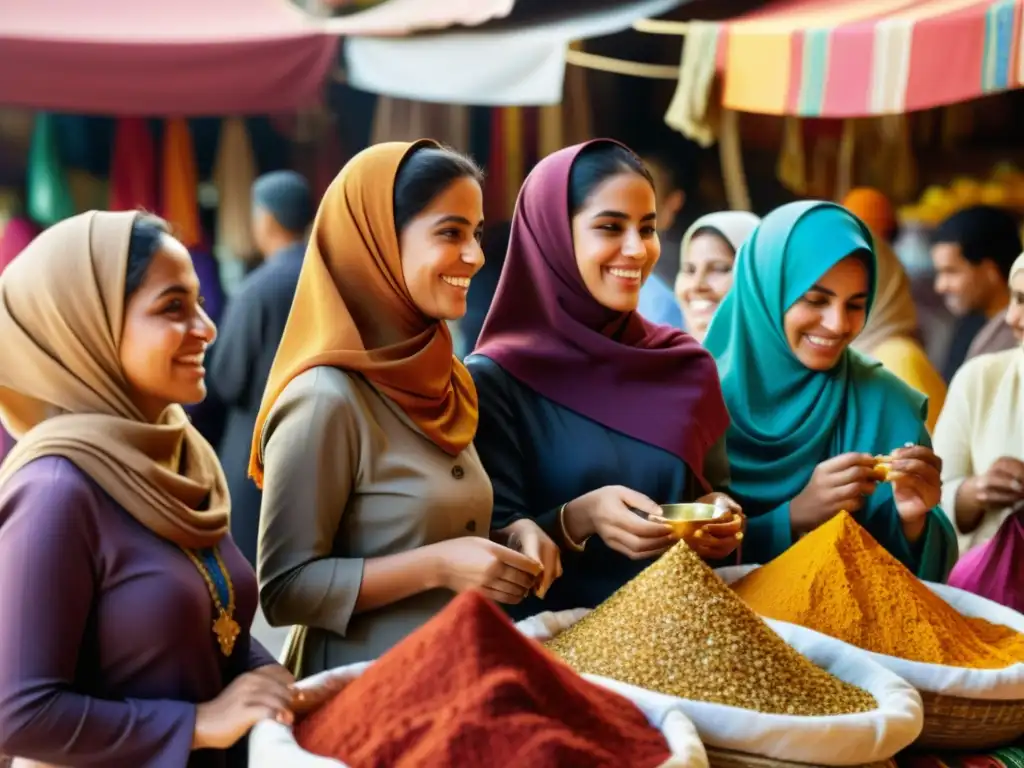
x=458, y=472
x=471, y=526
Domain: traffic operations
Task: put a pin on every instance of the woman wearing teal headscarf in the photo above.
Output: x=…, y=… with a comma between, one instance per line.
x=809, y=414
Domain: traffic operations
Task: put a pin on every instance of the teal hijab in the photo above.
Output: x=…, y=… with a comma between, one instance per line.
x=786, y=418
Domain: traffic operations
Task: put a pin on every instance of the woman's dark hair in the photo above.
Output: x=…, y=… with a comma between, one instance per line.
x=142, y=247
x=596, y=164
x=426, y=173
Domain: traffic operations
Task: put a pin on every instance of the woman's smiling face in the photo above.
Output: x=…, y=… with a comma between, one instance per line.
x=616, y=241
x=827, y=318
x=705, y=276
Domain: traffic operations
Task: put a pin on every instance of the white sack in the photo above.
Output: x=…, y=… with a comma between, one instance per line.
x=856, y=739
x=988, y=684
x=272, y=745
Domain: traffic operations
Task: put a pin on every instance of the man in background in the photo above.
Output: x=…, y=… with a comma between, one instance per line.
x=657, y=299
x=239, y=361
x=972, y=252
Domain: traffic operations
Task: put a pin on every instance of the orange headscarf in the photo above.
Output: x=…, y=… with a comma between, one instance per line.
x=352, y=310
x=873, y=208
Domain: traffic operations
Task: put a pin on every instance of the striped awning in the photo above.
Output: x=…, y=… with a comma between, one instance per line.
x=854, y=58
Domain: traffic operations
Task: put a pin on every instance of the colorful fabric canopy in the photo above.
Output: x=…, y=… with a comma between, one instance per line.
x=855, y=58
x=187, y=57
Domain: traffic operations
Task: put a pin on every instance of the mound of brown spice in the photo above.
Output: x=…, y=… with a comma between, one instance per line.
x=468, y=689
x=679, y=630
x=839, y=581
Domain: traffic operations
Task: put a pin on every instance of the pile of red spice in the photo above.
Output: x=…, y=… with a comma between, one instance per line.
x=467, y=689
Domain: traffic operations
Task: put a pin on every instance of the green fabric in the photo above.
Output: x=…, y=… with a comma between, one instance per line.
x=786, y=418
x=48, y=194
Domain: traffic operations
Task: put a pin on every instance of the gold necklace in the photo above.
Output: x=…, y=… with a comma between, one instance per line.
x=224, y=626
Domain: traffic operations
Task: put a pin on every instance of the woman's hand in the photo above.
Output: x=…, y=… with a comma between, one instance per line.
x=529, y=538
x=718, y=540
x=916, y=477
x=620, y=517
x=842, y=482
x=1002, y=486
x=501, y=573
x=263, y=694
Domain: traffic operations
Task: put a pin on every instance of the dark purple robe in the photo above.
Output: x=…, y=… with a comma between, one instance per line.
x=105, y=630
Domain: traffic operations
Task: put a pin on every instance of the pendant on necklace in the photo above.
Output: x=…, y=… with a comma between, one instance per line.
x=227, y=630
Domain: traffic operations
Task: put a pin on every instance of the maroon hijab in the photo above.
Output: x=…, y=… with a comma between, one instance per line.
x=648, y=381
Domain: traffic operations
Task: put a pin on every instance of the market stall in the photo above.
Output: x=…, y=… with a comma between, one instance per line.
x=843, y=76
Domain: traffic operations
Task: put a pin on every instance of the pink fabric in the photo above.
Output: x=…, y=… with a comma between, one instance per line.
x=133, y=167
x=17, y=234
x=995, y=570
x=187, y=57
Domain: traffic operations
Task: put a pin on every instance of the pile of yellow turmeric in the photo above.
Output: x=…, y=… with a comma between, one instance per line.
x=839, y=581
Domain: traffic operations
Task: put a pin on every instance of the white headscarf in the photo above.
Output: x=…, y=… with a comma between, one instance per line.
x=733, y=226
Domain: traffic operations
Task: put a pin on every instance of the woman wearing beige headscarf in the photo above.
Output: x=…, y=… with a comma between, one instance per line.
x=707, y=254
x=125, y=606
x=978, y=436
x=890, y=335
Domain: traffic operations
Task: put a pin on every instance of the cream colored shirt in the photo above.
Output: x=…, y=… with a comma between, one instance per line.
x=982, y=421
x=348, y=477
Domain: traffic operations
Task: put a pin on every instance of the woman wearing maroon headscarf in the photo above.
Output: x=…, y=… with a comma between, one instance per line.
x=591, y=416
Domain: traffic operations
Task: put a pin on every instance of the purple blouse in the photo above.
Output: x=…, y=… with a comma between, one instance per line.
x=105, y=638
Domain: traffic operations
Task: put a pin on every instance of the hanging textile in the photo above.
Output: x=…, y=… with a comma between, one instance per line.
x=494, y=183
x=17, y=234
x=88, y=192
x=577, y=115
x=690, y=109
x=48, y=197
x=404, y=120
x=326, y=155
x=515, y=167
x=133, y=168
x=234, y=171
x=180, y=183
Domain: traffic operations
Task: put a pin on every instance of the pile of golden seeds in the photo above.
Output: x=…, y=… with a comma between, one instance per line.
x=679, y=630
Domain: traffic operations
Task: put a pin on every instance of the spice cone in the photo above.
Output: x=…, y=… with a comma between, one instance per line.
x=468, y=689
x=679, y=630
x=839, y=581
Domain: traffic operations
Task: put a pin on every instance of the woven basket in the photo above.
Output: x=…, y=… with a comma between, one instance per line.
x=723, y=758
x=952, y=722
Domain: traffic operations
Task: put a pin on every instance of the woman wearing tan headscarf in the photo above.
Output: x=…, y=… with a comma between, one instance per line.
x=376, y=508
x=125, y=606
x=891, y=333
x=978, y=436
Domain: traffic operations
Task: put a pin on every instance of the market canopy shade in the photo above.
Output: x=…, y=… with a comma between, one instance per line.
x=162, y=57
x=518, y=60
x=853, y=58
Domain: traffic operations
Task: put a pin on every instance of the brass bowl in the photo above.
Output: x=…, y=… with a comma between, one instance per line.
x=687, y=519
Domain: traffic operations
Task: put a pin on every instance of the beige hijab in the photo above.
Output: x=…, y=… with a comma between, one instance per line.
x=893, y=312
x=63, y=393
